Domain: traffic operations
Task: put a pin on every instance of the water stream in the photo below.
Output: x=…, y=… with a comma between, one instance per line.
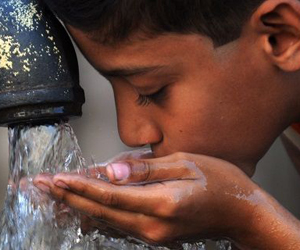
x=31, y=220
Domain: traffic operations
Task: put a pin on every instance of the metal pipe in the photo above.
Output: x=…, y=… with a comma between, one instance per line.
x=39, y=79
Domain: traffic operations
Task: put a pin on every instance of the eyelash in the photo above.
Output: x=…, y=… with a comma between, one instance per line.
x=157, y=97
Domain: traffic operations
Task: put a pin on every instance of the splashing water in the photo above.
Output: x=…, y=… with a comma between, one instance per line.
x=31, y=220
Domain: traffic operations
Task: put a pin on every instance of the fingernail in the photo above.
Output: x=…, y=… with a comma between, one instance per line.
x=121, y=171
x=43, y=187
x=61, y=185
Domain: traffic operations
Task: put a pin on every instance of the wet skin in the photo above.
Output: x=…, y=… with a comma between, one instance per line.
x=179, y=93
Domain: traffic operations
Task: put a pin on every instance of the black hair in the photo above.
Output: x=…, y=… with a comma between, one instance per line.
x=113, y=21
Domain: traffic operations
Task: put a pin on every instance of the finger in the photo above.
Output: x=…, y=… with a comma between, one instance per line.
x=160, y=200
x=138, y=225
x=174, y=167
x=43, y=182
x=143, y=227
x=88, y=224
x=98, y=170
x=83, y=204
x=126, y=222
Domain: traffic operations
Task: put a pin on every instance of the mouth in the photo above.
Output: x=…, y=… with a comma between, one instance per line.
x=157, y=152
x=145, y=153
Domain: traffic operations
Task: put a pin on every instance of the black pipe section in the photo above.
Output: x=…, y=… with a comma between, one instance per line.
x=39, y=78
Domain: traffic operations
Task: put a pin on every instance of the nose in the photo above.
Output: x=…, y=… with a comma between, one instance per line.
x=138, y=128
x=137, y=125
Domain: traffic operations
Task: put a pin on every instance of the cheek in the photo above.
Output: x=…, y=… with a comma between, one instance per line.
x=208, y=118
x=193, y=123
x=195, y=134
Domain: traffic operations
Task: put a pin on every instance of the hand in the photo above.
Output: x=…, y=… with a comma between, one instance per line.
x=181, y=197
x=98, y=170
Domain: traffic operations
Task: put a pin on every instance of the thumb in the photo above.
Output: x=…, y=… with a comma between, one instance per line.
x=152, y=170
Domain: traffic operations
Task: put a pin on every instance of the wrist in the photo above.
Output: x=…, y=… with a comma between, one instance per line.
x=265, y=224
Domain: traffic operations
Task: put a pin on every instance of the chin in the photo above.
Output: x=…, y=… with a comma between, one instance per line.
x=248, y=167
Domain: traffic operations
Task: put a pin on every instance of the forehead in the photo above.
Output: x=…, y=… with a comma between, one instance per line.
x=137, y=50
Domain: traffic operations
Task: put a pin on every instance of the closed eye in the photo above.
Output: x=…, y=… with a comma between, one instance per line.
x=158, y=97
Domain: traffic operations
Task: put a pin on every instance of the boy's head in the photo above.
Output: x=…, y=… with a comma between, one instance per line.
x=114, y=21
x=205, y=76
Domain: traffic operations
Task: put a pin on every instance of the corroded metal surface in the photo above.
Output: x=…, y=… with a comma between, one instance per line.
x=38, y=66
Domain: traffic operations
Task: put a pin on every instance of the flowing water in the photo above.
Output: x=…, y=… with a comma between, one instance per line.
x=31, y=220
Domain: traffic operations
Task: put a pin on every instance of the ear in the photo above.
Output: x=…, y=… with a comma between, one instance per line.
x=277, y=22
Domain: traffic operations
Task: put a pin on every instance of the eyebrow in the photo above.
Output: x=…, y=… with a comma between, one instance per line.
x=126, y=72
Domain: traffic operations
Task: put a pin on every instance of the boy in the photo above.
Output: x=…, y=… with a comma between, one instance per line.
x=217, y=80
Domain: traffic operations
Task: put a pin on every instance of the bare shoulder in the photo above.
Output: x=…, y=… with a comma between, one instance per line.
x=291, y=141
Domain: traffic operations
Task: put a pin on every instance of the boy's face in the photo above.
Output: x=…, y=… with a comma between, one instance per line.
x=220, y=102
